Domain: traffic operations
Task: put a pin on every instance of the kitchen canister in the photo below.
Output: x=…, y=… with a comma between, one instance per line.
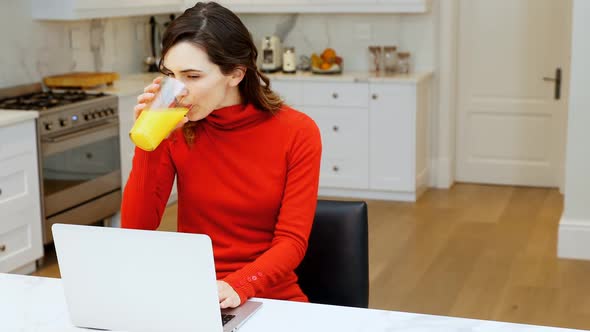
x=289, y=60
x=390, y=59
x=403, y=62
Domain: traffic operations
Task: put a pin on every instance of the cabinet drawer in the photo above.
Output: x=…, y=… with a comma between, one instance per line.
x=19, y=183
x=291, y=92
x=14, y=241
x=18, y=138
x=336, y=94
x=345, y=172
x=20, y=239
x=345, y=132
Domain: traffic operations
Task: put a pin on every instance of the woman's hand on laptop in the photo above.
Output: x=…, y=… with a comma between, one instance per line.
x=228, y=298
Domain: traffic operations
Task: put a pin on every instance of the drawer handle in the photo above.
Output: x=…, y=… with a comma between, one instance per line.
x=0, y=191
x=335, y=168
x=375, y=96
x=335, y=95
x=2, y=247
x=335, y=128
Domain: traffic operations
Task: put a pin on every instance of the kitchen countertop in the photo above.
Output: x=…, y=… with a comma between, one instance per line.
x=38, y=304
x=8, y=118
x=133, y=84
x=352, y=77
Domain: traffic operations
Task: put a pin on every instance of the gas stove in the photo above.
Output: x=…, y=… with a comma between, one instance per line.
x=41, y=101
x=60, y=110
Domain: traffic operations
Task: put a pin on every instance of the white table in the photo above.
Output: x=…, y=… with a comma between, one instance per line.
x=37, y=304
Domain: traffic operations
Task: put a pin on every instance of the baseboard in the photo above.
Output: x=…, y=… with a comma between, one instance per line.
x=26, y=269
x=573, y=240
x=444, y=173
x=423, y=179
x=369, y=194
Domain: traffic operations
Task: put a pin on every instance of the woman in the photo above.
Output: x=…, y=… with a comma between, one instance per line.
x=247, y=166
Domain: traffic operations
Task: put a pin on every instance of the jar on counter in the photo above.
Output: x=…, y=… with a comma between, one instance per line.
x=390, y=59
x=375, y=59
x=403, y=63
x=289, y=60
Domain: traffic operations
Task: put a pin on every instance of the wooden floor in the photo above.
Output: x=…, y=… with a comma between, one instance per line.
x=486, y=252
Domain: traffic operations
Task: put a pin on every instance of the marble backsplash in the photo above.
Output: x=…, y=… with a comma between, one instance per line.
x=350, y=35
x=32, y=49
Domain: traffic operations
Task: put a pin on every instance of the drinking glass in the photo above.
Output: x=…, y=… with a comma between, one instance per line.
x=161, y=116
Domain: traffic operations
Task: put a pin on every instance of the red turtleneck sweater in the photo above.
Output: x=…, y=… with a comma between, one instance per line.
x=249, y=181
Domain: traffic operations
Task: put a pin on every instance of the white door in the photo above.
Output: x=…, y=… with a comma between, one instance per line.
x=511, y=128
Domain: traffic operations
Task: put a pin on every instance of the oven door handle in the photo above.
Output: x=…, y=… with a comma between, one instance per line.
x=81, y=132
x=51, y=145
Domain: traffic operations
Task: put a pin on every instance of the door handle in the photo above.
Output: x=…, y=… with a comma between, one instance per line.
x=557, y=80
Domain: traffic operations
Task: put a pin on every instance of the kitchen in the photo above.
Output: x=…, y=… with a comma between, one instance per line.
x=368, y=154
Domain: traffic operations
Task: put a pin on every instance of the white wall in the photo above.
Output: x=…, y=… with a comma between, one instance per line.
x=33, y=49
x=350, y=34
x=574, y=229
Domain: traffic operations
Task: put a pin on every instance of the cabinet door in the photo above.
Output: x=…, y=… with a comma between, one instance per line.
x=290, y=91
x=114, y=4
x=344, y=146
x=336, y=94
x=20, y=200
x=20, y=238
x=392, y=135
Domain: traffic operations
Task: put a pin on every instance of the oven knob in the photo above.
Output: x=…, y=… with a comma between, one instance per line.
x=86, y=116
x=63, y=122
x=48, y=125
x=100, y=114
x=111, y=110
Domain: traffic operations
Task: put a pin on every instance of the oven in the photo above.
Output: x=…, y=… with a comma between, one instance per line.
x=79, y=159
x=81, y=175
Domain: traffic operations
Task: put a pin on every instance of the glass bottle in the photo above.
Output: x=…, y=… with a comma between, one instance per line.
x=390, y=59
x=403, y=63
x=375, y=59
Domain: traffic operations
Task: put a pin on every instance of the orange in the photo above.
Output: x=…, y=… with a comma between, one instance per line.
x=329, y=55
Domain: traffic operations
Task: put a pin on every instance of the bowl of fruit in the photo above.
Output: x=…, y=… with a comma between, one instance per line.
x=326, y=63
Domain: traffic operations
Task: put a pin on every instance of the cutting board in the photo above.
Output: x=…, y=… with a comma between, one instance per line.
x=80, y=80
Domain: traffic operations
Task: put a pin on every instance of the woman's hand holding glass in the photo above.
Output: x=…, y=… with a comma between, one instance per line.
x=163, y=112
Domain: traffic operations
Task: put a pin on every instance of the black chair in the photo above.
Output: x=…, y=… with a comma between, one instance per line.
x=335, y=269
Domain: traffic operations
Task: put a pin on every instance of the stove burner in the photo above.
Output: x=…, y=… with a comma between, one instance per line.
x=40, y=101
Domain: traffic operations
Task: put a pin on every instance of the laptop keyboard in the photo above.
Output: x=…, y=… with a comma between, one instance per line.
x=226, y=318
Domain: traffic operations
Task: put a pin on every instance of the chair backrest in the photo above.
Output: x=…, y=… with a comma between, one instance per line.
x=335, y=269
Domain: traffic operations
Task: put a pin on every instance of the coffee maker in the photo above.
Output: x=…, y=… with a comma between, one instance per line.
x=272, y=54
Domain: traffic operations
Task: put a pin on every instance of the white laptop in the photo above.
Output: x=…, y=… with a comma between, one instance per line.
x=138, y=281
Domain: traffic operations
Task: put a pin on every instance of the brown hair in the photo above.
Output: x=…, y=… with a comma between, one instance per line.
x=228, y=44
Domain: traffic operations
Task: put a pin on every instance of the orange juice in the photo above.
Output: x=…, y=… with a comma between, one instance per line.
x=153, y=126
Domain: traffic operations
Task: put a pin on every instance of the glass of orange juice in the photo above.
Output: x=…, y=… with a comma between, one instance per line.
x=160, y=117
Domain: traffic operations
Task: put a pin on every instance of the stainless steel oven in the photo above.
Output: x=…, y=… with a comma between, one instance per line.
x=81, y=175
x=79, y=159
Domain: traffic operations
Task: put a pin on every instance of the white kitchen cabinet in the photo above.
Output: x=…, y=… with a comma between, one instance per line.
x=397, y=140
x=323, y=6
x=374, y=134
x=344, y=132
x=290, y=91
x=87, y=9
x=21, y=241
